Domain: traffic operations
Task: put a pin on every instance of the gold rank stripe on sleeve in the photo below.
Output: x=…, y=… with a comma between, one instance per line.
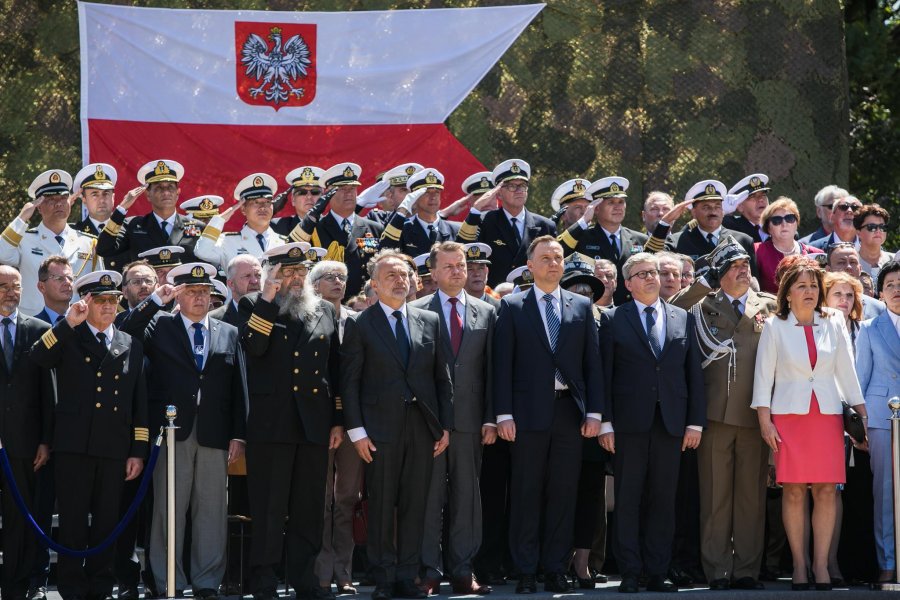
x=211, y=233
x=654, y=244
x=141, y=434
x=49, y=339
x=298, y=235
x=566, y=239
x=392, y=233
x=112, y=228
x=259, y=324
x=338, y=404
x=468, y=232
x=12, y=237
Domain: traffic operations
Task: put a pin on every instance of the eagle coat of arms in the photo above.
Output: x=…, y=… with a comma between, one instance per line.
x=276, y=63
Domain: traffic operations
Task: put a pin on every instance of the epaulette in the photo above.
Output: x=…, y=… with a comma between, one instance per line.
x=767, y=296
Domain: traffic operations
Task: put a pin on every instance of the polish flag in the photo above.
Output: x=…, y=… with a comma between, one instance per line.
x=227, y=93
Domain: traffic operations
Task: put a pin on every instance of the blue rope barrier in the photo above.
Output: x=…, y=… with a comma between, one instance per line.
x=115, y=533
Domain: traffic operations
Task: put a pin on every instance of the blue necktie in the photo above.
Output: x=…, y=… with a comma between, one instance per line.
x=614, y=244
x=8, y=343
x=402, y=339
x=61, y=241
x=552, y=328
x=651, y=331
x=163, y=225
x=262, y=241
x=198, y=345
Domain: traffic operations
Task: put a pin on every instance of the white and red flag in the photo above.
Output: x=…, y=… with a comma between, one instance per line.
x=228, y=93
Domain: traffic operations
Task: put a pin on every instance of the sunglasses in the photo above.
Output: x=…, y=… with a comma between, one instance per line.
x=845, y=207
x=873, y=227
x=782, y=219
x=307, y=192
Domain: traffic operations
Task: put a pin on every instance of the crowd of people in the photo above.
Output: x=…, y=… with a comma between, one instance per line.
x=458, y=397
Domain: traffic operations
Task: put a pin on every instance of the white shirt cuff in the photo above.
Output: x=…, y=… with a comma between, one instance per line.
x=596, y=416
x=474, y=211
x=155, y=297
x=606, y=427
x=702, y=280
x=122, y=210
x=494, y=425
x=501, y=418
x=664, y=224
x=695, y=428
x=357, y=433
x=582, y=223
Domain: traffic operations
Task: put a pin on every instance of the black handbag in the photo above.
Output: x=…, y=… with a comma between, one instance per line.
x=853, y=424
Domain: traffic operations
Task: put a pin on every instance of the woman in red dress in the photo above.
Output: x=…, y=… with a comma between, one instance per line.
x=804, y=369
x=780, y=220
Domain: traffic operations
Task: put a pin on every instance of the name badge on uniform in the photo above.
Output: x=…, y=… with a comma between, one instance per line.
x=37, y=251
x=368, y=244
x=242, y=251
x=637, y=248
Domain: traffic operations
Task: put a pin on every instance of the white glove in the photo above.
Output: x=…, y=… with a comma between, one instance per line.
x=732, y=202
x=372, y=195
x=410, y=201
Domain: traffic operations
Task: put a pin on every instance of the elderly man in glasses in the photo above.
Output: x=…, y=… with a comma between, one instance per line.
x=842, y=229
x=843, y=256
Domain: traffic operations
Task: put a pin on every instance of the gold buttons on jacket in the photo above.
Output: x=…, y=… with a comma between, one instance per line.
x=99, y=374
x=296, y=388
x=296, y=371
x=296, y=354
x=315, y=390
x=99, y=389
x=98, y=405
x=87, y=359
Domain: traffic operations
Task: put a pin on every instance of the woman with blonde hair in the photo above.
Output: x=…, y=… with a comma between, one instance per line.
x=780, y=220
x=804, y=368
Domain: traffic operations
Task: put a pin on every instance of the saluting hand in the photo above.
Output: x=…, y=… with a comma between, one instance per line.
x=487, y=201
x=72, y=198
x=131, y=196
x=167, y=292
x=28, y=209
x=229, y=212
x=78, y=312
x=676, y=212
x=272, y=284
x=365, y=448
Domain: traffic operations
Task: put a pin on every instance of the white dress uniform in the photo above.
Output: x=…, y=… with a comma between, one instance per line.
x=219, y=248
x=26, y=249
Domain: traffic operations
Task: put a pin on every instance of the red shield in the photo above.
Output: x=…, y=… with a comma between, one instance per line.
x=276, y=63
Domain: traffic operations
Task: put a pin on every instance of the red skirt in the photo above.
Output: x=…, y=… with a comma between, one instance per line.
x=811, y=448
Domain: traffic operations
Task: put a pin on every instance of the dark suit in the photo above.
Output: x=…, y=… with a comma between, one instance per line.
x=329, y=235
x=594, y=242
x=408, y=235
x=546, y=454
x=459, y=468
x=292, y=374
x=115, y=261
x=284, y=225
x=649, y=402
x=494, y=229
x=227, y=313
x=737, y=222
x=26, y=420
x=101, y=420
x=134, y=235
x=404, y=409
x=491, y=300
x=693, y=243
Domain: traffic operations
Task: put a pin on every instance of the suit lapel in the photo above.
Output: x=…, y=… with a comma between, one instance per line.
x=90, y=342
x=631, y=313
x=215, y=335
x=383, y=329
x=177, y=231
x=309, y=326
x=183, y=339
x=565, y=317
x=415, y=331
x=674, y=327
x=534, y=311
x=885, y=328
x=48, y=241
x=118, y=346
x=530, y=231
x=505, y=228
x=19, y=343
x=435, y=307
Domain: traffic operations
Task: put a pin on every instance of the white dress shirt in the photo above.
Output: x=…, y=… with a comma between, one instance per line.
x=446, y=307
x=340, y=220
x=52, y=314
x=358, y=433
x=425, y=224
x=109, y=332
x=717, y=233
x=170, y=223
x=520, y=221
x=189, y=327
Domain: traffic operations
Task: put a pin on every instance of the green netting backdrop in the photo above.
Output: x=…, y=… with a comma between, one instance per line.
x=663, y=92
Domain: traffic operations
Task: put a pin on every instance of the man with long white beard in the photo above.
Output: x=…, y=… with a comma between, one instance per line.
x=291, y=340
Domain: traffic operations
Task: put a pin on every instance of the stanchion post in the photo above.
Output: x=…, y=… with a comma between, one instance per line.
x=171, y=414
x=894, y=405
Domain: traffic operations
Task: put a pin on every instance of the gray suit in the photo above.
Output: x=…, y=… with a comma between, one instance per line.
x=460, y=465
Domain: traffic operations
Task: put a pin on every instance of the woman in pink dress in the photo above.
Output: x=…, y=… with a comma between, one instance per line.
x=780, y=220
x=804, y=370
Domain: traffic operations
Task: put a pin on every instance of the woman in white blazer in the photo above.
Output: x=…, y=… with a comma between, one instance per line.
x=804, y=369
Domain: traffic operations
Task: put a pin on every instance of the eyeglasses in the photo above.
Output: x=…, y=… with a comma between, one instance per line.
x=687, y=276
x=847, y=207
x=512, y=187
x=335, y=277
x=308, y=192
x=291, y=271
x=142, y=281
x=5, y=289
x=645, y=274
x=61, y=278
x=778, y=220
x=873, y=227
x=107, y=299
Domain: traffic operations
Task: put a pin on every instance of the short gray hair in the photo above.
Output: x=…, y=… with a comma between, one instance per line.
x=322, y=268
x=670, y=257
x=830, y=193
x=608, y=265
x=240, y=259
x=657, y=195
x=634, y=259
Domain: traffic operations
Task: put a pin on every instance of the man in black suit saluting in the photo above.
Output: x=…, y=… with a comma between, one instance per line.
x=399, y=413
x=548, y=393
x=656, y=402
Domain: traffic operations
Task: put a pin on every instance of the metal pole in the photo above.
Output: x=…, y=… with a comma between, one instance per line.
x=894, y=405
x=171, y=414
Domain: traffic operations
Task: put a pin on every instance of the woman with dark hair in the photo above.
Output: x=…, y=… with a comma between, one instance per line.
x=804, y=368
x=780, y=221
x=871, y=223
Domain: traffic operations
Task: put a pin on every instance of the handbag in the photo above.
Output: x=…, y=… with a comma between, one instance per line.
x=853, y=424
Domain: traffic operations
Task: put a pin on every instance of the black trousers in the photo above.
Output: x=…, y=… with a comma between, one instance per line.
x=286, y=480
x=545, y=468
x=87, y=485
x=399, y=477
x=127, y=567
x=590, y=503
x=44, y=505
x=493, y=556
x=686, y=541
x=645, y=463
x=19, y=541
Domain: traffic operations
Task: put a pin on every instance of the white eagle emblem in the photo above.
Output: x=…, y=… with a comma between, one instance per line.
x=277, y=68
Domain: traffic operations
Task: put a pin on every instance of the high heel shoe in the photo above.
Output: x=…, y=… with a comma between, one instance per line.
x=802, y=586
x=824, y=587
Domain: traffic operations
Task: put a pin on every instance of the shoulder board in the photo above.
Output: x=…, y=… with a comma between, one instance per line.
x=32, y=230
x=767, y=296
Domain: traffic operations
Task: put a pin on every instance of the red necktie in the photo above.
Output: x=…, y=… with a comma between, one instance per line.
x=456, y=326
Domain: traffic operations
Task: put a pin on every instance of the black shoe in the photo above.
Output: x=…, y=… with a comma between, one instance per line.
x=599, y=577
x=586, y=584
x=318, y=593
x=492, y=578
x=267, y=594
x=129, y=592
x=747, y=583
x=824, y=587
x=659, y=583
x=679, y=577
x=557, y=582
x=803, y=586
x=407, y=588
x=527, y=584
x=204, y=594
x=719, y=584
x=381, y=592
x=629, y=584
x=39, y=593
